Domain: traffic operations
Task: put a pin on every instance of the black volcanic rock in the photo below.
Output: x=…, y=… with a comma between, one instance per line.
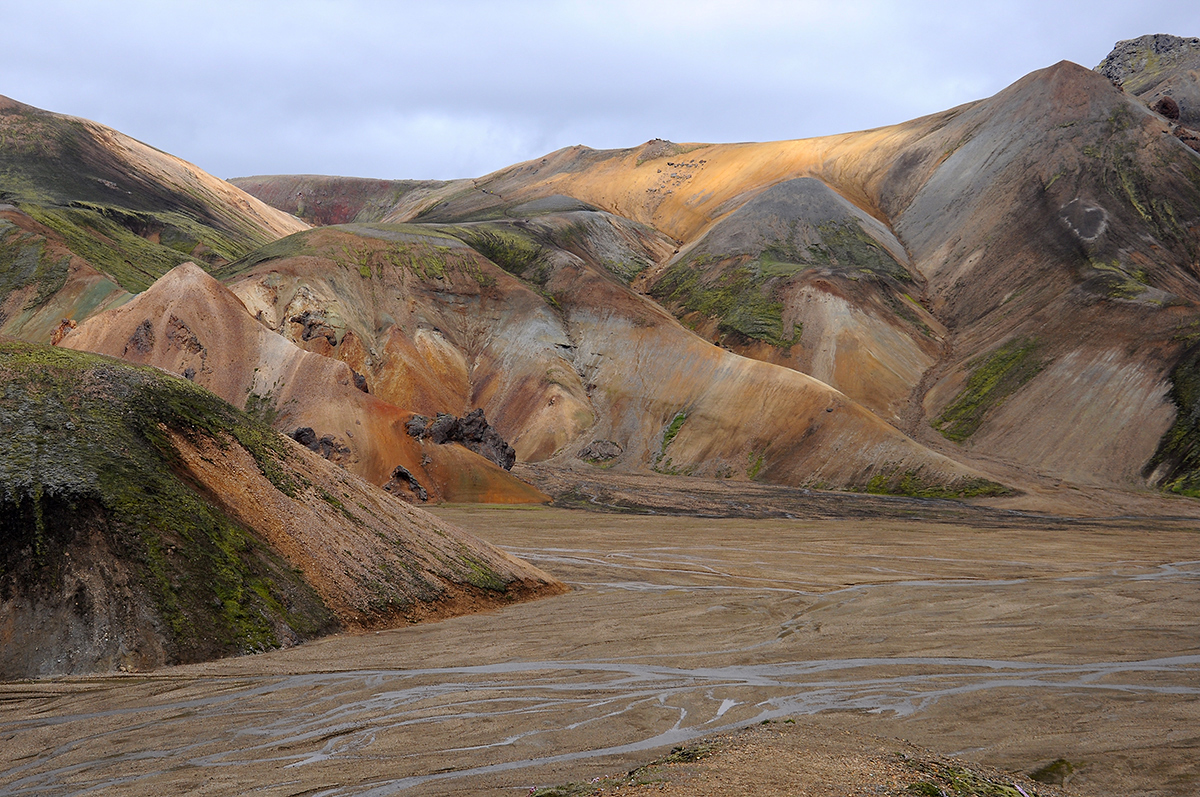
x=1167, y=107
x=401, y=478
x=472, y=431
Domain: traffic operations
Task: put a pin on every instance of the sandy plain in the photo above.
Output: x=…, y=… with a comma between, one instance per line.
x=1007, y=641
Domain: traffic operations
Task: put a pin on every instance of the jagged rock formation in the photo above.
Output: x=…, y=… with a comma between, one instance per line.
x=143, y=521
x=472, y=430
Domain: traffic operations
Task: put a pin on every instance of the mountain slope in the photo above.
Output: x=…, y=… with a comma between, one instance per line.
x=144, y=522
x=189, y=324
x=1017, y=274
x=561, y=354
x=81, y=202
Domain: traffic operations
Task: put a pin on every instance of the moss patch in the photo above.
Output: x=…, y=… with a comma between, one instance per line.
x=993, y=379
x=735, y=297
x=25, y=261
x=840, y=245
x=916, y=484
x=669, y=435
x=1178, y=455
x=86, y=429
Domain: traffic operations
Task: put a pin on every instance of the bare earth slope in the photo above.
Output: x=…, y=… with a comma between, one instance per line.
x=567, y=356
x=190, y=324
x=1012, y=282
x=143, y=521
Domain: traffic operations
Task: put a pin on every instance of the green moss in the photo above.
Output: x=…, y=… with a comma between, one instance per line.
x=992, y=380
x=482, y=576
x=840, y=244
x=756, y=464
x=24, y=261
x=952, y=780
x=516, y=253
x=295, y=245
x=687, y=754
x=86, y=429
x=669, y=435
x=913, y=483
x=735, y=298
x=1177, y=458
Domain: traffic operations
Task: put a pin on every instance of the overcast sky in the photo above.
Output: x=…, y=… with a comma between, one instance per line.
x=459, y=89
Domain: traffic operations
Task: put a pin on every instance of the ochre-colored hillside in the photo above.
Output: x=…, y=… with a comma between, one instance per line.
x=143, y=521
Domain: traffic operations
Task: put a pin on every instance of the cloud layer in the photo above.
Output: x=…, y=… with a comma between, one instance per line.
x=454, y=89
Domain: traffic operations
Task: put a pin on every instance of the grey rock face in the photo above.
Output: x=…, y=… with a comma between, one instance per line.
x=1153, y=51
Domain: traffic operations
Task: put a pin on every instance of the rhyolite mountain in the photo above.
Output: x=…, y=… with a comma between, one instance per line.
x=1001, y=294
x=1012, y=283
x=1001, y=297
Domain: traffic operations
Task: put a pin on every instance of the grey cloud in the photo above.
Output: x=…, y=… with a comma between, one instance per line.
x=462, y=88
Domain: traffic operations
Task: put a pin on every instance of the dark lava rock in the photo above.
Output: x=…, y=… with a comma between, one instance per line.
x=600, y=451
x=327, y=446
x=1167, y=107
x=472, y=431
x=142, y=339
x=1132, y=56
x=401, y=478
x=306, y=437
x=416, y=426
x=313, y=326
x=444, y=429
x=479, y=436
x=360, y=381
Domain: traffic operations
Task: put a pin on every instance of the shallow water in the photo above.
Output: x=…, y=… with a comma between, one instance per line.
x=936, y=632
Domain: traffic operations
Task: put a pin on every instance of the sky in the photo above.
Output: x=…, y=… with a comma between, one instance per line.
x=440, y=90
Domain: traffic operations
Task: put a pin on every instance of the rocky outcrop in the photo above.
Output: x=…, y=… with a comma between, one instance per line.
x=403, y=483
x=328, y=446
x=472, y=431
x=1135, y=56
x=1167, y=107
x=1157, y=67
x=600, y=451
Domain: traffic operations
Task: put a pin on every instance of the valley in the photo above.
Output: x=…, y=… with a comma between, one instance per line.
x=1011, y=644
x=858, y=464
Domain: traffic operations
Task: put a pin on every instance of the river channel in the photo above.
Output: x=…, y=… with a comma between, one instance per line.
x=1012, y=646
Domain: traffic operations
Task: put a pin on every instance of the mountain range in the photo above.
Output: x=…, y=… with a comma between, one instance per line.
x=999, y=299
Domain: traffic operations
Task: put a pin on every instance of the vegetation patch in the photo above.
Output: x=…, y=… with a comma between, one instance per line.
x=735, y=298
x=24, y=261
x=669, y=435
x=519, y=255
x=840, y=244
x=944, y=780
x=84, y=429
x=1177, y=460
x=992, y=380
x=915, y=484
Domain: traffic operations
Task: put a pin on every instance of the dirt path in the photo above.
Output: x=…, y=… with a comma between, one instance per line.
x=1008, y=646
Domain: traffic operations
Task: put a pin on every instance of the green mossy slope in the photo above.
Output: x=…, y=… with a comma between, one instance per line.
x=85, y=454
